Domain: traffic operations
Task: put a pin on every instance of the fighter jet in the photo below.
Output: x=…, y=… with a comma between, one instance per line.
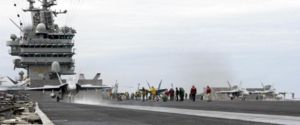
x=235, y=92
x=159, y=91
x=269, y=89
x=8, y=84
x=71, y=87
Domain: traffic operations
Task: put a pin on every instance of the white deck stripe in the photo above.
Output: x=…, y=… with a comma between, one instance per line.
x=274, y=119
x=43, y=116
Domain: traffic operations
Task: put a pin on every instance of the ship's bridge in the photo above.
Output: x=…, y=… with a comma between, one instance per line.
x=42, y=43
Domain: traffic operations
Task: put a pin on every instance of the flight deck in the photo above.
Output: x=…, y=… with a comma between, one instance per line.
x=132, y=112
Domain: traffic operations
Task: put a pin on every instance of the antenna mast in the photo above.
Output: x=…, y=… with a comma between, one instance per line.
x=42, y=43
x=45, y=14
x=16, y=24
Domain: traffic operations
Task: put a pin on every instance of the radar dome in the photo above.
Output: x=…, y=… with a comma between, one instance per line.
x=27, y=29
x=13, y=37
x=41, y=28
x=55, y=67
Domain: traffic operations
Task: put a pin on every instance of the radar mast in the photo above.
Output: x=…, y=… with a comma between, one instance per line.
x=42, y=43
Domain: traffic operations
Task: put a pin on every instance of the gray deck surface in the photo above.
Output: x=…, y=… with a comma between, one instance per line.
x=78, y=114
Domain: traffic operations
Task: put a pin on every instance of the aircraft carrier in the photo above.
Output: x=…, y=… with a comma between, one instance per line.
x=44, y=42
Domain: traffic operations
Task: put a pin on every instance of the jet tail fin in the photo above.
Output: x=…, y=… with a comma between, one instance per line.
x=116, y=87
x=158, y=88
x=148, y=84
x=97, y=76
x=13, y=81
x=229, y=84
x=241, y=85
x=81, y=76
x=263, y=86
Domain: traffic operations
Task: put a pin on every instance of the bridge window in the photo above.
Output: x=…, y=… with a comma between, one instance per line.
x=58, y=36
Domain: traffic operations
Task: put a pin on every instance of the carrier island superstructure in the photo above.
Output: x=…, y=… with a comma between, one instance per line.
x=42, y=43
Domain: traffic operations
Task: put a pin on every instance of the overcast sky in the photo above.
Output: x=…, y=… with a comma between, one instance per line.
x=194, y=42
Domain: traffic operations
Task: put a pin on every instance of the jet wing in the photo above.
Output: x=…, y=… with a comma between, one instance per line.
x=283, y=93
x=47, y=88
x=161, y=91
x=260, y=92
x=256, y=92
x=228, y=92
x=11, y=88
x=89, y=86
x=3, y=88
